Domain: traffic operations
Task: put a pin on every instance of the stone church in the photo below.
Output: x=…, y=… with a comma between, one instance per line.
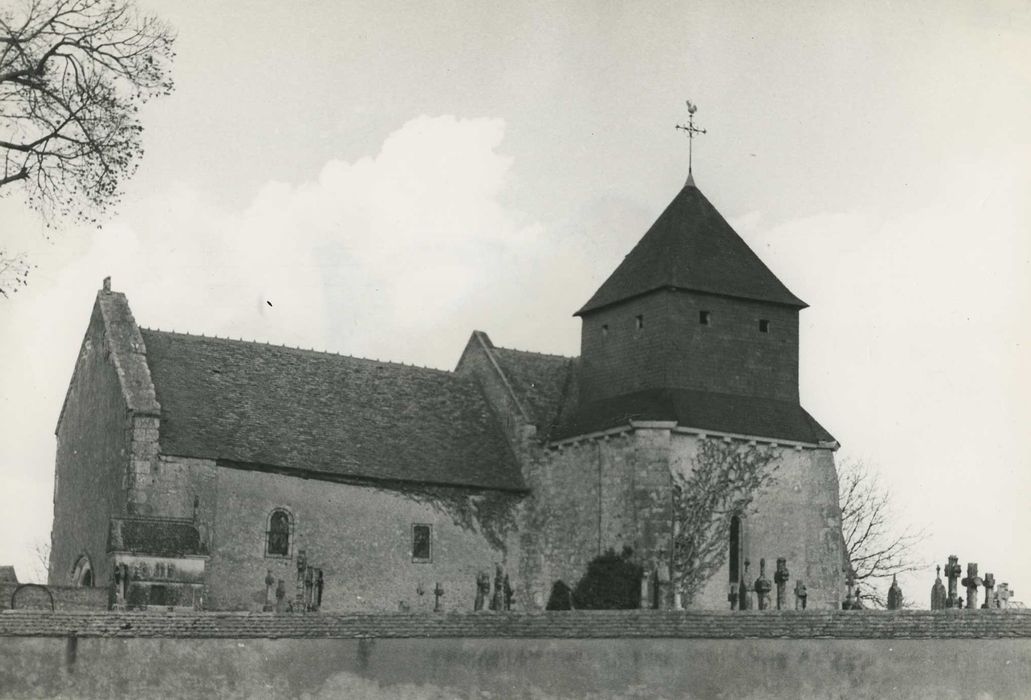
x=199, y=472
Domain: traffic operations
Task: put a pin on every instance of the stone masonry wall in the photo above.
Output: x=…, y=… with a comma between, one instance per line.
x=491, y=665
x=476, y=362
x=64, y=597
x=796, y=517
x=603, y=494
x=93, y=451
x=360, y=536
x=567, y=504
x=616, y=492
x=674, y=350
x=533, y=562
x=174, y=484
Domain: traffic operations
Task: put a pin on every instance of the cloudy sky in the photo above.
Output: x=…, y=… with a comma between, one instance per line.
x=390, y=177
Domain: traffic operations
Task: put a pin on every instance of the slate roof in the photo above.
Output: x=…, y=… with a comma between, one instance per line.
x=540, y=382
x=692, y=247
x=325, y=415
x=728, y=413
x=577, y=624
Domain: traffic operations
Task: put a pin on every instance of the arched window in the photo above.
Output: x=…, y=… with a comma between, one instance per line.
x=735, y=549
x=277, y=543
x=82, y=572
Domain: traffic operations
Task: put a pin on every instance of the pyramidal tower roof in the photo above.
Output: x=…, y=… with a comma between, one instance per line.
x=692, y=247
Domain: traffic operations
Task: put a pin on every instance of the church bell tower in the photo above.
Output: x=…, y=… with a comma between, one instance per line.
x=691, y=308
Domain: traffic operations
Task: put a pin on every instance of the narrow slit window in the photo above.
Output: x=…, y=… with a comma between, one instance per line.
x=605, y=330
x=704, y=317
x=735, y=549
x=639, y=322
x=422, y=551
x=764, y=325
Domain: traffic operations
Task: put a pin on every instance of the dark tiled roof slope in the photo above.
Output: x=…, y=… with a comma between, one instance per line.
x=691, y=246
x=728, y=413
x=342, y=417
x=539, y=381
x=609, y=624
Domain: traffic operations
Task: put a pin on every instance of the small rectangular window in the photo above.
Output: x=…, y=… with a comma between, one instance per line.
x=421, y=549
x=704, y=317
x=605, y=330
x=764, y=325
x=639, y=321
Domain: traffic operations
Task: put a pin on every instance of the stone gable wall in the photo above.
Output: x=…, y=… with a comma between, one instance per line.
x=673, y=350
x=94, y=445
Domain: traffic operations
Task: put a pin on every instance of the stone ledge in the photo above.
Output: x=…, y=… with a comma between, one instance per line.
x=651, y=624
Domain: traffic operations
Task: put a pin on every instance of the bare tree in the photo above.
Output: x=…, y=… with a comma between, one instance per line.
x=724, y=479
x=14, y=273
x=73, y=75
x=877, y=548
x=41, y=566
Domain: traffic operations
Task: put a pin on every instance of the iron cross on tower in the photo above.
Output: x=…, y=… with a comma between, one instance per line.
x=691, y=130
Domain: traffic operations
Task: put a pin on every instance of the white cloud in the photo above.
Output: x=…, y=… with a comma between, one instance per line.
x=379, y=257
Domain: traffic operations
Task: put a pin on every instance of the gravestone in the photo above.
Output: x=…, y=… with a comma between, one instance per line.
x=894, y=595
x=939, y=599
x=780, y=577
x=763, y=586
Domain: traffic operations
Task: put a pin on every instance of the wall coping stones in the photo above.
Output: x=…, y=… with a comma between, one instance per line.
x=581, y=624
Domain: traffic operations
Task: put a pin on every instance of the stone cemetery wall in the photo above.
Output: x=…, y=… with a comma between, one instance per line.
x=812, y=654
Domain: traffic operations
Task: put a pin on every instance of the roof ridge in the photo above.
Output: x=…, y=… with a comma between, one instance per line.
x=535, y=352
x=298, y=349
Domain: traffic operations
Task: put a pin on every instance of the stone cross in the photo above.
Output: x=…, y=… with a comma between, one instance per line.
x=894, y=595
x=497, y=602
x=647, y=596
x=1003, y=595
x=780, y=577
x=507, y=588
x=320, y=583
x=938, y=599
x=763, y=586
x=851, y=602
x=989, y=592
x=270, y=591
x=971, y=583
x=438, y=591
x=744, y=601
x=280, y=595
x=663, y=582
x=952, y=572
x=482, y=590
x=800, y=595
